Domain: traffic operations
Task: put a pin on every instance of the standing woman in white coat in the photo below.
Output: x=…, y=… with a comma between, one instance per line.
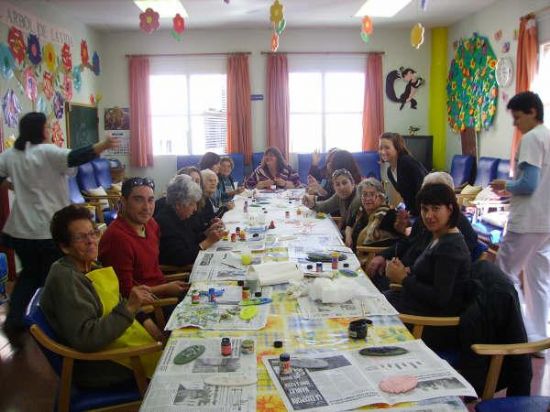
x=39, y=175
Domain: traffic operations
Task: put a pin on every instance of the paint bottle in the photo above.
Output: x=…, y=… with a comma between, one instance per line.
x=247, y=346
x=212, y=295
x=284, y=364
x=195, y=297
x=319, y=267
x=246, y=293
x=334, y=260
x=287, y=214
x=226, y=348
x=245, y=207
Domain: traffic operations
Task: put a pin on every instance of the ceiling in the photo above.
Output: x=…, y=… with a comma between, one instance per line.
x=121, y=15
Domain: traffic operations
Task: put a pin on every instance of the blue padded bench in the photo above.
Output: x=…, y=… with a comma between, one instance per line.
x=462, y=167
x=486, y=171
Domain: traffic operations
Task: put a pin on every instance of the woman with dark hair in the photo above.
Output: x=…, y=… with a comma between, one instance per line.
x=435, y=284
x=319, y=179
x=273, y=171
x=82, y=303
x=39, y=174
x=404, y=172
x=342, y=159
x=210, y=160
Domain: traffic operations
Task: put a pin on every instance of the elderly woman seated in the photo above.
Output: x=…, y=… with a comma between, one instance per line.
x=81, y=302
x=180, y=242
x=373, y=223
x=344, y=202
x=211, y=210
x=273, y=171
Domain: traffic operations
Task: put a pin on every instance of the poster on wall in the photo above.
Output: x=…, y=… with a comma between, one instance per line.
x=412, y=83
x=117, y=118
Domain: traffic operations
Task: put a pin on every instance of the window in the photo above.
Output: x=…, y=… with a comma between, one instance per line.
x=189, y=113
x=542, y=82
x=326, y=110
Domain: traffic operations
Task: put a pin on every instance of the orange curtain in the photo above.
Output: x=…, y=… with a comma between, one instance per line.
x=527, y=64
x=239, y=112
x=373, y=104
x=141, y=142
x=278, y=103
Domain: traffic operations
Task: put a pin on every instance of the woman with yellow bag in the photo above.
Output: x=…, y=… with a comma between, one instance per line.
x=82, y=303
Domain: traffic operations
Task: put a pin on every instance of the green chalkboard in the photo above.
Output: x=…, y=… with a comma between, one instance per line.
x=82, y=125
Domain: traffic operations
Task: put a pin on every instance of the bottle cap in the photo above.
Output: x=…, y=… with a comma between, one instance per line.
x=258, y=294
x=284, y=357
x=278, y=344
x=240, y=283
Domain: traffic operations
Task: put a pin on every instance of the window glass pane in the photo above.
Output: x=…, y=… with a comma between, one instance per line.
x=207, y=93
x=169, y=135
x=344, y=131
x=209, y=133
x=305, y=132
x=305, y=92
x=344, y=92
x=168, y=94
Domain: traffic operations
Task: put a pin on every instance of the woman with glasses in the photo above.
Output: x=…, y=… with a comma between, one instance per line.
x=273, y=171
x=82, y=303
x=343, y=202
x=373, y=224
x=39, y=173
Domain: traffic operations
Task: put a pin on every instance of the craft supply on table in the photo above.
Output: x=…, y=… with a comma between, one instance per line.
x=226, y=348
x=189, y=354
x=255, y=301
x=358, y=328
x=284, y=364
x=246, y=293
x=383, y=351
x=398, y=384
x=248, y=312
x=247, y=346
x=195, y=297
x=334, y=260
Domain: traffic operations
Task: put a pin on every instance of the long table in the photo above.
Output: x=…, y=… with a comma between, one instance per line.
x=294, y=226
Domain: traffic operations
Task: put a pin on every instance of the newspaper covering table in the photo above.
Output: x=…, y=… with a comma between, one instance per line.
x=189, y=387
x=351, y=380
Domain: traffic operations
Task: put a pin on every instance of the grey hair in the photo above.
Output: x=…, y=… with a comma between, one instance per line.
x=438, y=177
x=182, y=190
x=208, y=172
x=371, y=182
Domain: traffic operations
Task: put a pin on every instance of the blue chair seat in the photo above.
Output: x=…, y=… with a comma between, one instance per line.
x=462, y=167
x=515, y=404
x=486, y=171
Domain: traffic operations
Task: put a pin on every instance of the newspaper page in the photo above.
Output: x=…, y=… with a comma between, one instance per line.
x=369, y=306
x=218, y=266
x=201, y=384
x=225, y=314
x=345, y=380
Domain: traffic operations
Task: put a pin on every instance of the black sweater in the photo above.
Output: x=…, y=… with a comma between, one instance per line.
x=410, y=174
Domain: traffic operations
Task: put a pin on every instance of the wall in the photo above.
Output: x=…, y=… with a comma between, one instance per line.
x=395, y=44
x=502, y=15
x=79, y=31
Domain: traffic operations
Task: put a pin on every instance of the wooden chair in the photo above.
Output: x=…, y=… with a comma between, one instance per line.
x=62, y=358
x=419, y=322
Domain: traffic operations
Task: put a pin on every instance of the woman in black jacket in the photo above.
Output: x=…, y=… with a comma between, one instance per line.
x=404, y=172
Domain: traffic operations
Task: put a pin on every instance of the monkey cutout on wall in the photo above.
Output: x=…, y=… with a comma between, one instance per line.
x=410, y=77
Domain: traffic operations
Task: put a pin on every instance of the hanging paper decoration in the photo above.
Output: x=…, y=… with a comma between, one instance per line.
x=41, y=105
x=47, y=85
x=178, y=26
x=67, y=87
x=7, y=63
x=277, y=18
x=472, y=91
x=57, y=134
x=77, y=78
x=33, y=49
x=11, y=108
x=498, y=35
x=149, y=21
x=31, y=85
x=50, y=57
x=274, y=42
x=506, y=47
x=66, y=57
x=276, y=12
x=17, y=44
x=417, y=35
x=84, y=56
x=366, y=28
x=58, y=102
x=95, y=64
x=424, y=5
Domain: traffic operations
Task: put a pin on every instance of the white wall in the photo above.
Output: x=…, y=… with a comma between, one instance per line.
x=502, y=15
x=79, y=31
x=395, y=44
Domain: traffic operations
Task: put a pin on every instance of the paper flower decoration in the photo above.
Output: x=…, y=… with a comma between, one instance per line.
x=280, y=27
x=149, y=21
x=50, y=57
x=366, y=26
x=178, y=24
x=364, y=36
x=33, y=49
x=66, y=57
x=67, y=87
x=47, y=85
x=77, y=78
x=274, y=42
x=17, y=44
x=31, y=85
x=417, y=35
x=57, y=134
x=95, y=64
x=58, y=102
x=84, y=56
x=11, y=108
x=7, y=63
x=276, y=12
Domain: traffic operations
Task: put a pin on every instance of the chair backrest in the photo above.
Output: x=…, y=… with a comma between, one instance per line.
x=238, y=169
x=102, y=171
x=35, y=316
x=503, y=169
x=86, y=177
x=462, y=167
x=486, y=171
x=304, y=164
x=75, y=195
x=256, y=159
x=188, y=160
x=369, y=163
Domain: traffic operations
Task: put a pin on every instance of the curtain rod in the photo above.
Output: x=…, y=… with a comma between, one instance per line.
x=185, y=54
x=327, y=52
x=534, y=13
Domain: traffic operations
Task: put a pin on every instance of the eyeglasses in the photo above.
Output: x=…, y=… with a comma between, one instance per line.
x=82, y=237
x=137, y=181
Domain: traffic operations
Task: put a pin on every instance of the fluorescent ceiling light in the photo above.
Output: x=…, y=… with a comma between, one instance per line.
x=165, y=8
x=381, y=8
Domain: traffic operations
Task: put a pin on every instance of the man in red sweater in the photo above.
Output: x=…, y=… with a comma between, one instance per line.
x=131, y=243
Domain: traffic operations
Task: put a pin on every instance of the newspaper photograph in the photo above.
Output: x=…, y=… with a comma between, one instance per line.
x=344, y=380
x=370, y=306
x=193, y=375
